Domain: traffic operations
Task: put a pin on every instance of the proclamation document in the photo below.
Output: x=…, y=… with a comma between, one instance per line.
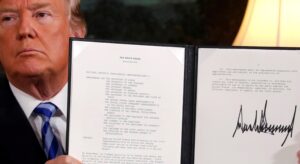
x=247, y=106
x=125, y=103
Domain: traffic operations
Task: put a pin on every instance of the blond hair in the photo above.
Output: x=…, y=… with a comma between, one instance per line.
x=76, y=18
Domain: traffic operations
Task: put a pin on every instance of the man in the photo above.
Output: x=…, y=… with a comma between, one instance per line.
x=34, y=41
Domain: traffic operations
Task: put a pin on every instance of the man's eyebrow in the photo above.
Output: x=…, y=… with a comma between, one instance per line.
x=36, y=6
x=32, y=7
x=4, y=10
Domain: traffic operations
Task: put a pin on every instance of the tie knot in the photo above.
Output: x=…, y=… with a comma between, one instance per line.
x=46, y=110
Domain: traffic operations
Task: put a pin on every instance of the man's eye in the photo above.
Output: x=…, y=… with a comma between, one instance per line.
x=42, y=14
x=7, y=19
x=43, y=17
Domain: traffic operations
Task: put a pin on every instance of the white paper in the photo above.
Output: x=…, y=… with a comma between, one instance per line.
x=234, y=84
x=126, y=103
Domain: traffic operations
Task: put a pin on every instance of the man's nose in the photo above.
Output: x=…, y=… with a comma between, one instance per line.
x=26, y=29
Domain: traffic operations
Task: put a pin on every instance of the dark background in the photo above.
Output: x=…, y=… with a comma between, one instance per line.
x=201, y=22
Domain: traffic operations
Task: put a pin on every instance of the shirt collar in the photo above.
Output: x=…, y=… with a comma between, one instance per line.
x=28, y=103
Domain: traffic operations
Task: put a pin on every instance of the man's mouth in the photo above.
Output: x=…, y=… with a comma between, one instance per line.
x=28, y=52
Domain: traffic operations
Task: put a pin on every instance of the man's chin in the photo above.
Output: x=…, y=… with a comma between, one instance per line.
x=28, y=74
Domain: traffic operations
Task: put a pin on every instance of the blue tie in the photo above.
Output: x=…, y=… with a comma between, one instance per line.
x=51, y=145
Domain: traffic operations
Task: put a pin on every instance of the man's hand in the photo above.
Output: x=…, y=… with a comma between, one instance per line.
x=63, y=159
x=298, y=155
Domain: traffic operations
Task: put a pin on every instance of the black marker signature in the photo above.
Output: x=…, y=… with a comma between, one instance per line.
x=262, y=126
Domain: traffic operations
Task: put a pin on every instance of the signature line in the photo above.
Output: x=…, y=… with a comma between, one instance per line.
x=262, y=125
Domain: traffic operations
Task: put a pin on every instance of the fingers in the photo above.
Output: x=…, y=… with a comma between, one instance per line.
x=298, y=155
x=63, y=159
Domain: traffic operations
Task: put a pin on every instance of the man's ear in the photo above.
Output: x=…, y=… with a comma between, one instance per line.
x=78, y=31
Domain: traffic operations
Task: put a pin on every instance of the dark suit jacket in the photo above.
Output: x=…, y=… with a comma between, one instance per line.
x=18, y=142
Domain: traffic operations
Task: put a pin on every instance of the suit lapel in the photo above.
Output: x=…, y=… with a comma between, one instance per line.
x=22, y=145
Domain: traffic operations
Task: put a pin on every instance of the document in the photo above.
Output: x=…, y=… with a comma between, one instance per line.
x=125, y=103
x=166, y=104
x=247, y=106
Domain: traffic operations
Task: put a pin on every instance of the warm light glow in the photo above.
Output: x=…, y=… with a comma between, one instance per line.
x=270, y=23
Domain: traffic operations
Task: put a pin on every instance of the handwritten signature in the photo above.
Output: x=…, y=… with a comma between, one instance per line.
x=262, y=125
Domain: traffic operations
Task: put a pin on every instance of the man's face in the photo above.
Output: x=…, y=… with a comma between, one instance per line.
x=34, y=37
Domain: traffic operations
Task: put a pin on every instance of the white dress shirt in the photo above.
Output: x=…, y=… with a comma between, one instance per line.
x=57, y=122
